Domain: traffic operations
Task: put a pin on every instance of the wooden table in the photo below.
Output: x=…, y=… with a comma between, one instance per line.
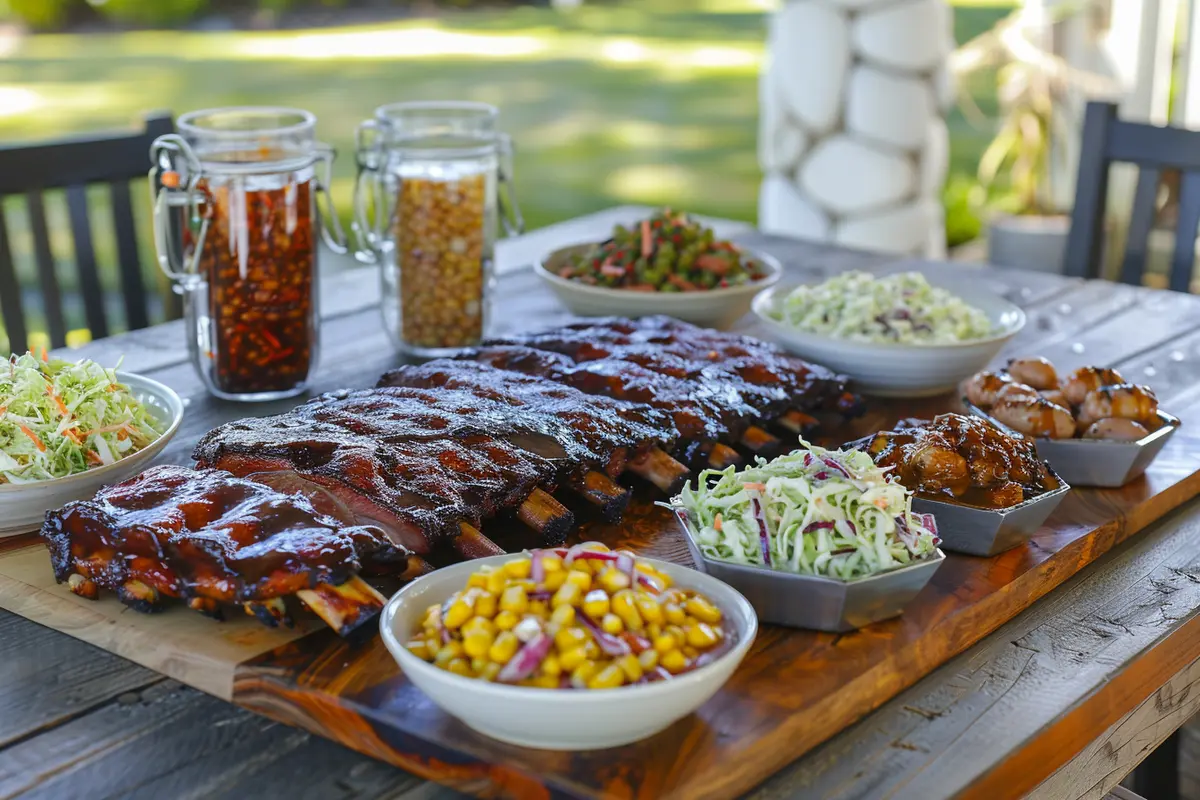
x=1067, y=697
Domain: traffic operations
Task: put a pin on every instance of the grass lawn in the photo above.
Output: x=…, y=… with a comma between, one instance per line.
x=628, y=101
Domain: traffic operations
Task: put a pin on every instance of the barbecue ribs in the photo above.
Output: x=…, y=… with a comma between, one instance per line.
x=210, y=539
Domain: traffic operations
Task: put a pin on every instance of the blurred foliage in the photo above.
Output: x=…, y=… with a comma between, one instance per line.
x=961, y=199
x=149, y=12
x=38, y=14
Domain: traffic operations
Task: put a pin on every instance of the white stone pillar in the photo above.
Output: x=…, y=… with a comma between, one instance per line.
x=852, y=135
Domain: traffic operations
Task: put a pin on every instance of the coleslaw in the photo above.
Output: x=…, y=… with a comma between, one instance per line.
x=814, y=511
x=901, y=308
x=58, y=418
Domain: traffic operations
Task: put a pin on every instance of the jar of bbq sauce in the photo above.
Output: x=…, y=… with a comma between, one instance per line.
x=434, y=184
x=237, y=216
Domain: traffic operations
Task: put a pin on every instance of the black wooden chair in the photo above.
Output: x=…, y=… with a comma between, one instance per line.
x=1155, y=151
x=71, y=165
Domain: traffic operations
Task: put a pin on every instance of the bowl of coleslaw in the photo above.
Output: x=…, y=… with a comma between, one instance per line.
x=894, y=335
x=818, y=539
x=66, y=429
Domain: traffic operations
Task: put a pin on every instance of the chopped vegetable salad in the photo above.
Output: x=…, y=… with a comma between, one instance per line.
x=58, y=418
x=814, y=511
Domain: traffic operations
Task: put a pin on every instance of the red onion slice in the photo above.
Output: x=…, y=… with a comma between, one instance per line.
x=526, y=660
x=818, y=526
x=537, y=570
x=764, y=536
x=611, y=645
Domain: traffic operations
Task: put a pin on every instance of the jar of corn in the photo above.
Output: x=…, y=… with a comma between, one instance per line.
x=434, y=185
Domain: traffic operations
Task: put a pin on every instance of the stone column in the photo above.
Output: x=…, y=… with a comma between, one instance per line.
x=852, y=135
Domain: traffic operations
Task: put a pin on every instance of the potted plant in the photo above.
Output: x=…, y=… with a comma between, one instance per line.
x=1027, y=228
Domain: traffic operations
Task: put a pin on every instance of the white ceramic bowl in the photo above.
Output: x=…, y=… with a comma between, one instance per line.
x=24, y=505
x=716, y=308
x=901, y=370
x=562, y=719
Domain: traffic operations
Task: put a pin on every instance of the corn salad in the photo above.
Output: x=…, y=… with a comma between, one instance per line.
x=583, y=618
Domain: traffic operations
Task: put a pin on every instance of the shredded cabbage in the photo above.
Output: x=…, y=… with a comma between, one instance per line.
x=894, y=308
x=814, y=511
x=58, y=418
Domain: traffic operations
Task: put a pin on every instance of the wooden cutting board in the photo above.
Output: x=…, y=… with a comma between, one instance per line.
x=795, y=689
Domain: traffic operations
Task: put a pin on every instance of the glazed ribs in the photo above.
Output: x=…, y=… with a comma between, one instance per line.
x=213, y=540
x=717, y=386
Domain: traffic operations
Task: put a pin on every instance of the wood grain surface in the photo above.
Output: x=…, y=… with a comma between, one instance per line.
x=796, y=689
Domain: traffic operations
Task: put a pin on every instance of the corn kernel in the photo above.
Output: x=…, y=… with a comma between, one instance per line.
x=459, y=666
x=479, y=578
x=611, y=623
x=583, y=673
x=632, y=668
x=432, y=645
x=608, y=678
x=448, y=652
x=591, y=649
x=673, y=661
x=543, y=681
x=571, y=659
x=582, y=566
x=612, y=580
x=419, y=648
x=570, y=638
x=700, y=635
x=485, y=604
x=479, y=664
x=551, y=666
x=624, y=607
x=648, y=659
x=596, y=604
x=538, y=609
x=504, y=647
x=654, y=630
x=527, y=629
x=477, y=643
x=551, y=563
x=567, y=595
x=432, y=613
x=554, y=580
x=563, y=616
x=649, y=608
x=515, y=600
x=497, y=580
x=665, y=643
x=478, y=624
x=674, y=614
x=703, y=610
x=458, y=613
x=490, y=671
x=517, y=568
x=677, y=632
x=506, y=620
x=690, y=652
x=647, y=569
x=580, y=579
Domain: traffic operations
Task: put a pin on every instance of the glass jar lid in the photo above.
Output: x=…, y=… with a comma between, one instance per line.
x=432, y=129
x=251, y=138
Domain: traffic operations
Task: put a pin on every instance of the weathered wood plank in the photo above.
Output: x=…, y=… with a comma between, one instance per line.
x=171, y=741
x=47, y=678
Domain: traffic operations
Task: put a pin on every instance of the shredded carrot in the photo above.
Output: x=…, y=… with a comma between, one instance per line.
x=880, y=502
x=717, y=523
x=647, y=243
x=73, y=435
x=62, y=407
x=41, y=446
x=122, y=434
x=92, y=457
x=757, y=487
x=45, y=356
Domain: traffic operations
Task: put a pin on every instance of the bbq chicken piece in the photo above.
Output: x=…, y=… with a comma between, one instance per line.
x=964, y=458
x=213, y=540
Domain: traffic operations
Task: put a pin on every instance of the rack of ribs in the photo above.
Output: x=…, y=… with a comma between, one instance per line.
x=214, y=540
x=717, y=386
x=427, y=465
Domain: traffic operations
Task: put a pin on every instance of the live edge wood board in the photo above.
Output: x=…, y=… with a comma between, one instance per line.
x=795, y=688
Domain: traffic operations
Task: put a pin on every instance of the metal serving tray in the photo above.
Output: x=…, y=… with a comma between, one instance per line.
x=1097, y=462
x=819, y=603
x=985, y=531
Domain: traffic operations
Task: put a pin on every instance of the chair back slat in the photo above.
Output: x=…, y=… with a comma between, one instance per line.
x=10, y=293
x=1184, y=258
x=1140, y=222
x=47, y=273
x=85, y=260
x=1154, y=150
x=133, y=287
x=73, y=164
